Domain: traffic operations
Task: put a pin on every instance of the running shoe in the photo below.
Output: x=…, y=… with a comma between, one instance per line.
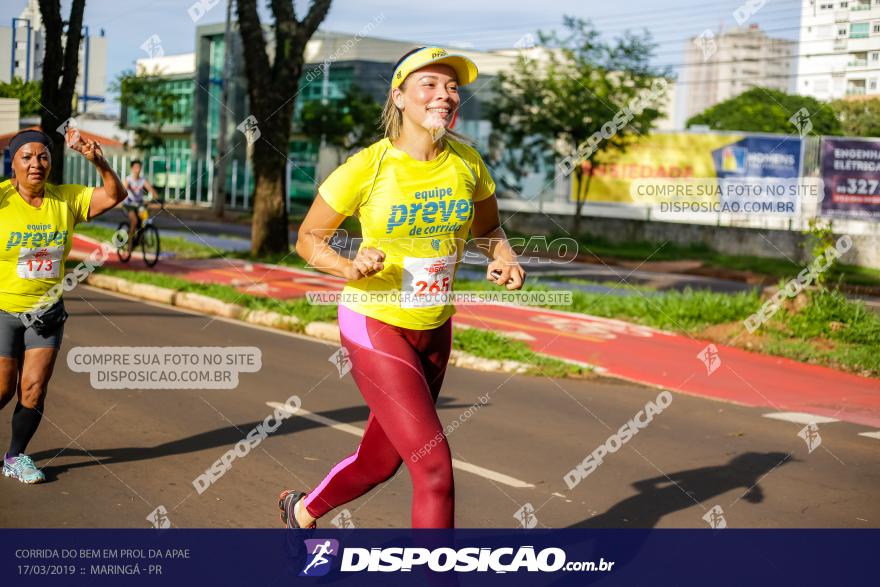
x=286, y=501
x=23, y=469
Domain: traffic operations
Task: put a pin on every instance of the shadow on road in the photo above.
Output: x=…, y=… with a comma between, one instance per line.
x=220, y=438
x=666, y=494
x=670, y=493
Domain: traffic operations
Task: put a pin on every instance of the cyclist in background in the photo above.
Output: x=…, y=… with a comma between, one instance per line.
x=134, y=204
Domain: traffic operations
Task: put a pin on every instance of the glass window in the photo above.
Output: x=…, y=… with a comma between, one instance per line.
x=858, y=30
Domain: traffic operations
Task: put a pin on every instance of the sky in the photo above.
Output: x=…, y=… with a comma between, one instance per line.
x=480, y=24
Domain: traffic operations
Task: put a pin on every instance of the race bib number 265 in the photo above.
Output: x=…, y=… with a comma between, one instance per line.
x=427, y=281
x=40, y=262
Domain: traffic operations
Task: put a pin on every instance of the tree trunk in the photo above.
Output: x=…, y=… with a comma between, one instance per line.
x=579, y=206
x=272, y=89
x=269, y=225
x=60, y=70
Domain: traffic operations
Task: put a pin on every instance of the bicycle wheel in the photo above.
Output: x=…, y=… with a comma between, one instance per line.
x=123, y=252
x=150, y=244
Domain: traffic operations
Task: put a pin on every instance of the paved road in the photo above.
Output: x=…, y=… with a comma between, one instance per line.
x=112, y=457
x=665, y=359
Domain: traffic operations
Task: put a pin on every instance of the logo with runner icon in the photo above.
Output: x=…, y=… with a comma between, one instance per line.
x=322, y=552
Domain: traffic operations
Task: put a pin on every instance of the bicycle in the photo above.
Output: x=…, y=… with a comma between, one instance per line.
x=146, y=235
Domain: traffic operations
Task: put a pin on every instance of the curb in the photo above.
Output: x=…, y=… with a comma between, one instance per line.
x=106, y=282
x=208, y=305
x=154, y=293
x=273, y=320
x=462, y=359
x=321, y=330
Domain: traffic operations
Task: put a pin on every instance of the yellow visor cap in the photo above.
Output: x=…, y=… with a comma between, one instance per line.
x=465, y=69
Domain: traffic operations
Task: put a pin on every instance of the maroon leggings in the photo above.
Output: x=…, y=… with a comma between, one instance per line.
x=399, y=373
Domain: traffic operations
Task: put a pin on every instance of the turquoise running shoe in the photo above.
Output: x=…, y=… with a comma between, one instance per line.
x=23, y=469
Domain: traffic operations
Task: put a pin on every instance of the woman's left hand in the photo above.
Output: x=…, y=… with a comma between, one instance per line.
x=507, y=273
x=91, y=150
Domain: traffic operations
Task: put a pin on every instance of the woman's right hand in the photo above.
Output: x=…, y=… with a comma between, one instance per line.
x=369, y=260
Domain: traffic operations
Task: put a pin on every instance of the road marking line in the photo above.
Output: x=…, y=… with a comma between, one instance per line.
x=871, y=434
x=320, y=419
x=359, y=432
x=800, y=418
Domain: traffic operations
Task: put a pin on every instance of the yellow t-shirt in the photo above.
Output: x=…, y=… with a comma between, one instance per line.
x=36, y=241
x=419, y=214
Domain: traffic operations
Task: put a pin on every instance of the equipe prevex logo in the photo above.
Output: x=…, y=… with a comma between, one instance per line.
x=322, y=552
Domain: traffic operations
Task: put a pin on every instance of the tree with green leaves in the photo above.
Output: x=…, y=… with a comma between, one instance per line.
x=767, y=110
x=147, y=105
x=60, y=69
x=272, y=86
x=27, y=93
x=858, y=117
x=576, y=97
x=344, y=124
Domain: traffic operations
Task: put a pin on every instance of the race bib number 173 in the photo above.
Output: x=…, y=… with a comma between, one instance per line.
x=40, y=262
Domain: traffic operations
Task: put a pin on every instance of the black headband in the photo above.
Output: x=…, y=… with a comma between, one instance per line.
x=407, y=54
x=28, y=136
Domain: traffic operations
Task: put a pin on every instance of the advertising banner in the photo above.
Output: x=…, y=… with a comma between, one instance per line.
x=851, y=170
x=713, y=173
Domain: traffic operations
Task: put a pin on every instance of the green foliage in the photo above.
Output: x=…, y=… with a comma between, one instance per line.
x=491, y=345
x=687, y=311
x=821, y=237
x=610, y=253
x=544, y=108
x=829, y=330
x=858, y=118
x=146, y=96
x=345, y=124
x=767, y=110
x=28, y=94
x=830, y=315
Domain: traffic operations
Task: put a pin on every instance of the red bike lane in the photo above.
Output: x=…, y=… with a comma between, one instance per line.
x=619, y=349
x=673, y=361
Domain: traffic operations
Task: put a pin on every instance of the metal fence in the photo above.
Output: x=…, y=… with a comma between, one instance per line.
x=191, y=181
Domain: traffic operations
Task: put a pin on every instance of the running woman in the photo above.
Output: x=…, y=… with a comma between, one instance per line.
x=133, y=203
x=36, y=231
x=417, y=193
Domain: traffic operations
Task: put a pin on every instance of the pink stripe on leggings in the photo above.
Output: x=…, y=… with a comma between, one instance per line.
x=339, y=466
x=354, y=327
